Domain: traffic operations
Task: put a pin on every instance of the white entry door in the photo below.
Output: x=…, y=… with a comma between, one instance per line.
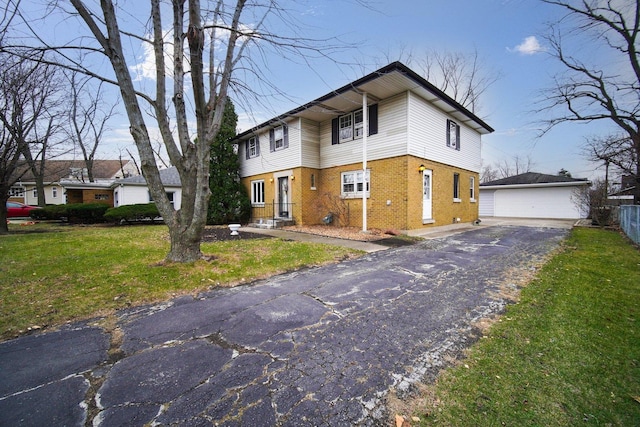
x=427, y=186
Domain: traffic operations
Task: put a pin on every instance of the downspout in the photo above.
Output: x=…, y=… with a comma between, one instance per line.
x=365, y=132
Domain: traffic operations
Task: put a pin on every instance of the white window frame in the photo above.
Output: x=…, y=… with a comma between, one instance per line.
x=351, y=126
x=453, y=130
x=253, y=147
x=456, y=188
x=472, y=188
x=345, y=128
x=257, y=192
x=278, y=138
x=35, y=192
x=354, y=179
x=16, y=191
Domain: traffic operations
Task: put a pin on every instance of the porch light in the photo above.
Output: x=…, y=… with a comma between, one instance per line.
x=292, y=177
x=270, y=179
x=422, y=168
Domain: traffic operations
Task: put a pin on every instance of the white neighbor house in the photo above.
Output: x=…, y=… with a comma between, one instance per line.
x=532, y=195
x=134, y=190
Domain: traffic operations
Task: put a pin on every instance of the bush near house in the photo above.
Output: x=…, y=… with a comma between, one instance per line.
x=77, y=213
x=51, y=212
x=132, y=213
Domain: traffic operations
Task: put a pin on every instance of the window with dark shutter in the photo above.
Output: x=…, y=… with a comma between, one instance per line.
x=279, y=138
x=349, y=127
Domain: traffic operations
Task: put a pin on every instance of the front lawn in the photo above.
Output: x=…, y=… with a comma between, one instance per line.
x=567, y=354
x=52, y=274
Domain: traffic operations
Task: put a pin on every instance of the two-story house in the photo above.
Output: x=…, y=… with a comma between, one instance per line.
x=387, y=151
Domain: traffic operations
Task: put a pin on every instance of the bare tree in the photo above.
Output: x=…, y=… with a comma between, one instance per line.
x=461, y=76
x=196, y=50
x=617, y=151
x=28, y=96
x=591, y=91
x=515, y=166
x=88, y=115
x=488, y=174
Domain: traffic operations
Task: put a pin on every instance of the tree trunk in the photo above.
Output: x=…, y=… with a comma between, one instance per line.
x=185, y=243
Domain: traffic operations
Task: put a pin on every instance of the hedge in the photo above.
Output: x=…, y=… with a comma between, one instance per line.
x=79, y=213
x=133, y=213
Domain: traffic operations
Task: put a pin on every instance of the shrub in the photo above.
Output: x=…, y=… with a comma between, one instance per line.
x=51, y=212
x=132, y=213
x=86, y=213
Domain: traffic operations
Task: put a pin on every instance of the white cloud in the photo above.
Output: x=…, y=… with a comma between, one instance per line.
x=529, y=46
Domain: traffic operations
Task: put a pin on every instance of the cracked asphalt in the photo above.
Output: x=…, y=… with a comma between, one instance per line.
x=317, y=347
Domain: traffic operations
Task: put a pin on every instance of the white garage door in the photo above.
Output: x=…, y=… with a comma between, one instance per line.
x=536, y=203
x=486, y=207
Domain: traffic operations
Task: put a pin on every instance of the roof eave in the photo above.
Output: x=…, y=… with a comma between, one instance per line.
x=482, y=127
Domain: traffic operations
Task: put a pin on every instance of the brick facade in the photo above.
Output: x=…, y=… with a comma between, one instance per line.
x=395, y=200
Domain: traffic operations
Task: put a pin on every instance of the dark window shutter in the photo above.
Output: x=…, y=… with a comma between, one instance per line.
x=373, y=119
x=285, y=135
x=334, y=132
x=246, y=151
x=272, y=141
x=458, y=137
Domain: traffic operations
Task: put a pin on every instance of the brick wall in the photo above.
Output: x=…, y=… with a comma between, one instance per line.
x=395, y=200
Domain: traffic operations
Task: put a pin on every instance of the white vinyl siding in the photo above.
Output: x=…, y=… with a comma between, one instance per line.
x=390, y=141
x=550, y=202
x=271, y=161
x=428, y=137
x=134, y=194
x=310, y=136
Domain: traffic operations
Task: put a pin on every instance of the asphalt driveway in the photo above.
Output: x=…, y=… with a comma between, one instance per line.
x=321, y=346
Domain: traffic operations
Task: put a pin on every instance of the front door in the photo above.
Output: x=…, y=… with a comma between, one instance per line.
x=283, y=197
x=427, y=185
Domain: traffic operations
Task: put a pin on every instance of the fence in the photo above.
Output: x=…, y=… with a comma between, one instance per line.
x=630, y=221
x=271, y=211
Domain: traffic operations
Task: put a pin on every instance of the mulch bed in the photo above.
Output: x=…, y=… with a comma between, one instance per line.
x=221, y=234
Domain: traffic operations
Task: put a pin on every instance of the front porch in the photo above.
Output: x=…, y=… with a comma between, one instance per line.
x=271, y=215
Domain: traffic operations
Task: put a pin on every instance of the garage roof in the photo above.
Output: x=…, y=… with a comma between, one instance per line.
x=534, y=179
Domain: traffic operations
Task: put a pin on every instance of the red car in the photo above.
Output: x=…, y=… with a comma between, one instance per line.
x=16, y=209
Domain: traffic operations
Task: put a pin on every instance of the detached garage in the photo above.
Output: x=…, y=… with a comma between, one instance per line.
x=531, y=195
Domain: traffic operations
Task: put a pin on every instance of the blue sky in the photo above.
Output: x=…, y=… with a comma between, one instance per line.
x=505, y=33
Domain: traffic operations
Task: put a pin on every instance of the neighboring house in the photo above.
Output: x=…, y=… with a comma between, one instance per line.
x=418, y=164
x=66, y=181
x=624, y=196
x=532, y=195
x=134, y=190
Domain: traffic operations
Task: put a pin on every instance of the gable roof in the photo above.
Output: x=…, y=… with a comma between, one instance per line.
x=384, y=83
x=535, y=179
x=57, y=170
x=169, y=178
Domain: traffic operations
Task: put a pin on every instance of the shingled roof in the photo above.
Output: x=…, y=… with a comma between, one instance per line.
x=56, y=170
x=169, y=177
x=532, y=178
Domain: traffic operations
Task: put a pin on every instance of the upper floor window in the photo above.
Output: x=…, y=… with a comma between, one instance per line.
x=279, y=138
x=354, y=183
x=253, y=148
x=351, y=126
x=453, y=135
x=54, y=192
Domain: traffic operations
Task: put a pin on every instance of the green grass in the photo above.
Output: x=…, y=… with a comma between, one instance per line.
x=53, y=274
x=567, y=354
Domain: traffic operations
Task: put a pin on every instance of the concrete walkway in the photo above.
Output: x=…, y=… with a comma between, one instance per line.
x=317, y=347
